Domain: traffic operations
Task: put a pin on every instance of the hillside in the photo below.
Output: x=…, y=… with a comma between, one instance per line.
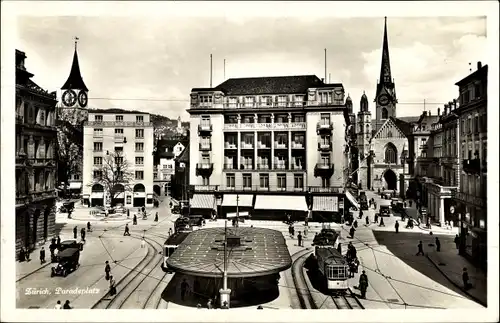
x=156, y=119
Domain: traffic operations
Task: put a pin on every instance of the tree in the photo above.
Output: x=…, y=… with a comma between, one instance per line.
x=114, y=174
x=69, y=154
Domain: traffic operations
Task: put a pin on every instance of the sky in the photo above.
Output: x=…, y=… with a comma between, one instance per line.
x=164, y=57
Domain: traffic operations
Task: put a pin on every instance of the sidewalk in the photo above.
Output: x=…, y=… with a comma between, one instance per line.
x=450, y=264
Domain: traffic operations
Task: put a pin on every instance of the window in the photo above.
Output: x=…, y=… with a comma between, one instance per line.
x=476, y=124
x=155, y=175
x=139, y=133
x=298, y=139
x=249, y=101
x=324, y=140
x=97, y=160
x=206, y=99
x=281, y=181
x=76, y=177
x=119, y=161
x=42, y=117
x=325, y=182
x=139, y=160
x=97, y=132
x=477, y=91
x=282, y=101
x=205, y=180
x=166, y=177
x=97, y=146
x=298, y=181
x=118, y=131
x=248, y=139
x=385, y=113
x=139, y=118
x=230, y=180
x=247, y=180
x=281, y=139
x=325, y=118
x=119, y=118
x=205, y=120
x=299, y=118
x=97, y=174
x=98, y=118
x=325, y=159
x=465, y=97
x=391, y=154
x=264, y=180
x=281, y=118
x=139, y=174
x=266, y=101
x=205, y=158
x=118, y=149
x=299, y=100
x=232, y=102
x=139, y=146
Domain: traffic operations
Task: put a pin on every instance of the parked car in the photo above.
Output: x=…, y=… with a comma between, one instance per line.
x=68, y=244
x=384, y=210
x=68, y=262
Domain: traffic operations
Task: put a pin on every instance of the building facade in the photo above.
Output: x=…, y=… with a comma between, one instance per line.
x=166, y=152
x=472, y=146
x=128, y=136
x=269, y=135
x=36, y=139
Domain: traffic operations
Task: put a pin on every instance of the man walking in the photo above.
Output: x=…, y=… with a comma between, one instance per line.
x=420, y=249
x=82, y=233
x=127, y=232
x=299, y=239
x=465, y=279
x=42, y=256
x=156, y=217
x=438, y=244
x=134, y=221
x=363, y=284
x=107, y=270
x=396, y=226
x=457, y=241
x=75, y=232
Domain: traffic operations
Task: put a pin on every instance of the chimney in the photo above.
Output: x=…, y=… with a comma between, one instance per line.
x=439, y=111
x=479, y=65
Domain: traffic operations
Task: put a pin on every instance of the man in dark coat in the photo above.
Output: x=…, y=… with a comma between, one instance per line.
x=134, y=221
x=156, y=217
x=457, y=241
x=42, y=255
x=438, y=244
x=363, y=284
x=420, y=249
x=58, y=242
x=127, y=232
x=299, y=239
x=396, y=226
x=75, y=232
x=351, y=231
x=465, y=279
x=107, y=270
x=82, y=233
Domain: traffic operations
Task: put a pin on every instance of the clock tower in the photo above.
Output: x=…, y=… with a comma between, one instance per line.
x=385, y=98
x=74, y=92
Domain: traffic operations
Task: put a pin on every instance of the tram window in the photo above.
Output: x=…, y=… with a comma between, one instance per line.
x=336, y=272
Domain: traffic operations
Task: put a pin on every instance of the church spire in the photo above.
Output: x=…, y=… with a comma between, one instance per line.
x=385, y=67
x=75, y=81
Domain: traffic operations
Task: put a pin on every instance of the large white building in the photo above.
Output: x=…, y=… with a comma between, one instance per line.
x=128, y=135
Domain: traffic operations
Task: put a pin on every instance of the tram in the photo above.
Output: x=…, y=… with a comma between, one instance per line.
x=170, y=246
x=333, y=267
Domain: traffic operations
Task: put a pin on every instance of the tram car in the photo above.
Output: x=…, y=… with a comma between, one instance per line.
x=170, y=246
x=333, y=267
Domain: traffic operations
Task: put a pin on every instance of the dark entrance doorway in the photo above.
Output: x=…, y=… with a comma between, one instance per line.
x=391, y=179
x=46, y=222
x=36, y=217
x=157, y=190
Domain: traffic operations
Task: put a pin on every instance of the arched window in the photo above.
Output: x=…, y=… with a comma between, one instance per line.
x=391, y=155
x=389, y=134
x=385, y=113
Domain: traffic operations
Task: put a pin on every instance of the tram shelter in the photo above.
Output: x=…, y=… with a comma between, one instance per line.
x=253, y=259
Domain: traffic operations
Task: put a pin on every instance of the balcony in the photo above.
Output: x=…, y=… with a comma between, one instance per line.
x=323, y=170
x=263, y=146
x=204, y=169
x=205, y=146
x=246, y=146
x=230, y=166
x=41, y=162
x=34, y=196
x=269, y=188
x=298, y=167
x=263, y=166
x=324, y=126
x=119, y=138
x=279, y=146
x=324, y=146
x=263, y=105
x=230, y=146
x=118, y=124
x=423, y=146
x=205, y=128
x=266, y=126
x=296, y=145
x=471, y=166
x=246, y=167
x=318, y=189
x=281, y=166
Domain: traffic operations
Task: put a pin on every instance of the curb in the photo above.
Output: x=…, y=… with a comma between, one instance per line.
x=32, y=272
x=474, y=298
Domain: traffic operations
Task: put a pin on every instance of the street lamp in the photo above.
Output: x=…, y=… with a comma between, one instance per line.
x=404, y=157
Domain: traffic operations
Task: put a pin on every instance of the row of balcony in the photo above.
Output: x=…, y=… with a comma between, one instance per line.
x=118, y=124
x=37, y=162
x=283, y=166
x=268, y=104
x=260, y=145
x=321, y=169
x=118, y=137
x=265, y=126
x=34, y=196
x=268, y=188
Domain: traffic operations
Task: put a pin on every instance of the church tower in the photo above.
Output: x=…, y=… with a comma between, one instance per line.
x=74, y=92
x=364, y=134
x=385, y=97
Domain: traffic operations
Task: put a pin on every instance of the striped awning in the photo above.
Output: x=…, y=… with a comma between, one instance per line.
x=326, y=203
x=278, y=202
x=352, y=199
x=203, y=201
x=242, y=199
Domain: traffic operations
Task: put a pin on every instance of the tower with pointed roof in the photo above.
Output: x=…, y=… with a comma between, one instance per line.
x=385, y=97
x=364, y=134
x=74, y=92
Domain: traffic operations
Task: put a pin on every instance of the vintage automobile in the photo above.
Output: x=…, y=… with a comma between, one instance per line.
x=67, y=207
x=363, y=200
x=385, y=210
x=397, y=205
x=67, y=262
x=195, y=220
x=67, y=244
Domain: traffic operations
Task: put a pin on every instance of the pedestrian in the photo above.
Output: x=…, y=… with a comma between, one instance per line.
x=457, y=241
x=42, y=256
x=363, y=284
x=209, y=304
x=75, y=232
x=299, y=239
x=339, y=247
x=67, y=306
x=171, y=204
x=169, y=231
x=134, y=220
x=27, y=254
x=355, y=223
x=143, y=243
x=410, y=201
x=184, y=288
x=352, y=269
x=82, y=233
x=376, y=217
x=351, y=231
x=107, y=270
x=89, y=229
x=367, y=220
x=375, y=204
x=420, y=249
x=52, y=249
x=58, y=242
x=127, y=232
x=404, y=205
x=451, y=224
x=156, y=217
x=112, y=286
x=293, y=231
x=382, y=224
x=143, y=209
x=306, y=230
x=128, y=213
x=465, y=279
x=438, y=244
x=360, y=214
x=306, y=221
x=396, y=226
x=58, y=306
x=22, y=254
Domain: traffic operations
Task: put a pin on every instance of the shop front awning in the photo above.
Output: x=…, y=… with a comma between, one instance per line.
x=325, y=203
x=278, y=202
x=240, y=200
x=352, y=199
x=97, y=195
x=75, y=185
x=203, y=201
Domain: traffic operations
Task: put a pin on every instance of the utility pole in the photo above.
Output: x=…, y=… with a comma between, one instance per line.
x=225, y=292
x=325, y=68
x=210, y=70
x=224, y=69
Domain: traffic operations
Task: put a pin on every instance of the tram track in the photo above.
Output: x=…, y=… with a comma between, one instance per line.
x=347, y=302
x=303, y=292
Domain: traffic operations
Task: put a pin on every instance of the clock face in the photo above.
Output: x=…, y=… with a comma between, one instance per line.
x=82, y=99
x=383, y=99
x=69, y=98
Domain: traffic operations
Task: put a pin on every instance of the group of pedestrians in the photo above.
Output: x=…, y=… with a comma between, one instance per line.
x=109, y=277
x=66, y=305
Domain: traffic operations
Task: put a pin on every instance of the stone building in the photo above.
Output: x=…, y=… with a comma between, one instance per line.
x=36, y=137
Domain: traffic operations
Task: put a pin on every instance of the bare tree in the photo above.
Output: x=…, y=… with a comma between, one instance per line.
x=69, y=157
x=114, y=173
